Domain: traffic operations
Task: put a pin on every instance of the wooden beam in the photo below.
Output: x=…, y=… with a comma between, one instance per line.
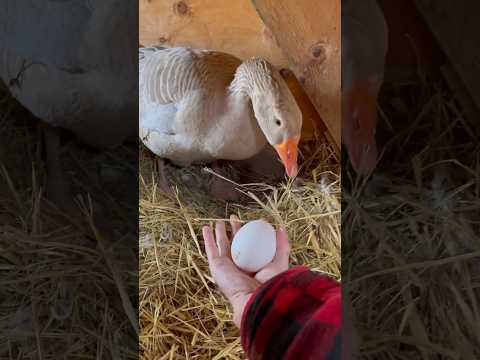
x=455, y=25
x=312, y=123
x=308, y=32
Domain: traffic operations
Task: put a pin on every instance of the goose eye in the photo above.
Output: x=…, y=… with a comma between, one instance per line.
x=278, y=122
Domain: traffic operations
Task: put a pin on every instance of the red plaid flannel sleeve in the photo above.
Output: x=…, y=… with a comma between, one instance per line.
x=296, y=315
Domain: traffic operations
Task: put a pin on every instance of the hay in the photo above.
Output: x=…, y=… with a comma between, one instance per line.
x=411, y=252
x=58, y=298
x=182, y=314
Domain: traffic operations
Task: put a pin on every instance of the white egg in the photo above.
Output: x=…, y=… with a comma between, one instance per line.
x=254, y=245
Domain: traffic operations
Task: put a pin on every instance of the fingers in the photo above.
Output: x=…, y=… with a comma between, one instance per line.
x=218, y=245
x=222, y=240
x=234, y=224
x=282, y=255
x=210, y=246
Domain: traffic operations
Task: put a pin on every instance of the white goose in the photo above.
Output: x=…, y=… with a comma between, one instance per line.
x=72, y=64
x=198, y=106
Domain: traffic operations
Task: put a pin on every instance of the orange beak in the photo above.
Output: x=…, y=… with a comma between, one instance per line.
x=288, y=152
x=359, y=123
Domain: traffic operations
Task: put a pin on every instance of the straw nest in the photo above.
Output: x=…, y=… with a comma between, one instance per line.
x=410, y=234
x=61, y=294
x=182, y=314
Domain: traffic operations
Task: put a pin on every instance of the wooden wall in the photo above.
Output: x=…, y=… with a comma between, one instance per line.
x=455, y=25
x=230, y=26
x=410, y=43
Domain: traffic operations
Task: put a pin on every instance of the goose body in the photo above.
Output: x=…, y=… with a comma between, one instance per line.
x=68, y=63
x=197, y=106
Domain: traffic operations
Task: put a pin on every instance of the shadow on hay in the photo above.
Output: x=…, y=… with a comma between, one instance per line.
x=63, y=291
x=410, y=253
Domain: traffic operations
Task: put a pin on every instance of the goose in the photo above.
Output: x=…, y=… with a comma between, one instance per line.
x=199, y=106
x=364, y=48
x=73, y=65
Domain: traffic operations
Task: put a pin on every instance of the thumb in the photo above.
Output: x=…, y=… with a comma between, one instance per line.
x=282, y=255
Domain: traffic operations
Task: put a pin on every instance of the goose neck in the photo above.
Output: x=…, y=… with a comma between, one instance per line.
x=252, y=77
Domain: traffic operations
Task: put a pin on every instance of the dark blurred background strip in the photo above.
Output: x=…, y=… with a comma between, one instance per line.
x=410, y=243
x=68, y=179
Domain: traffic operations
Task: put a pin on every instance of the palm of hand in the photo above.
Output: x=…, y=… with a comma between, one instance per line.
x=230, y=279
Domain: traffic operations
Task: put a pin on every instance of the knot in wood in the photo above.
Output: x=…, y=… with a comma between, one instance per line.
x=319, y=52
x=181, y=8
x=285, y=72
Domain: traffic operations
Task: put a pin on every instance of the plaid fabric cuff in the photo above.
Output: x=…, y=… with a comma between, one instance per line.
x=295, y=315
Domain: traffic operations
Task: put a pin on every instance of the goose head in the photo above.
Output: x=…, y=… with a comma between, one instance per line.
x=276, y=111
x=359, y=114
x=364, y=49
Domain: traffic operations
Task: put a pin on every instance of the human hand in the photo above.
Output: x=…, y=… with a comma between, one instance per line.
x=235, y=284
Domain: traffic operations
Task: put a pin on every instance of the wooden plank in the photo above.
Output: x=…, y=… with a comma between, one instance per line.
x=312, y=123
x=308, y=32
x=441, y=16
x=411, y=44
x=229, y=26
x=455, y=26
